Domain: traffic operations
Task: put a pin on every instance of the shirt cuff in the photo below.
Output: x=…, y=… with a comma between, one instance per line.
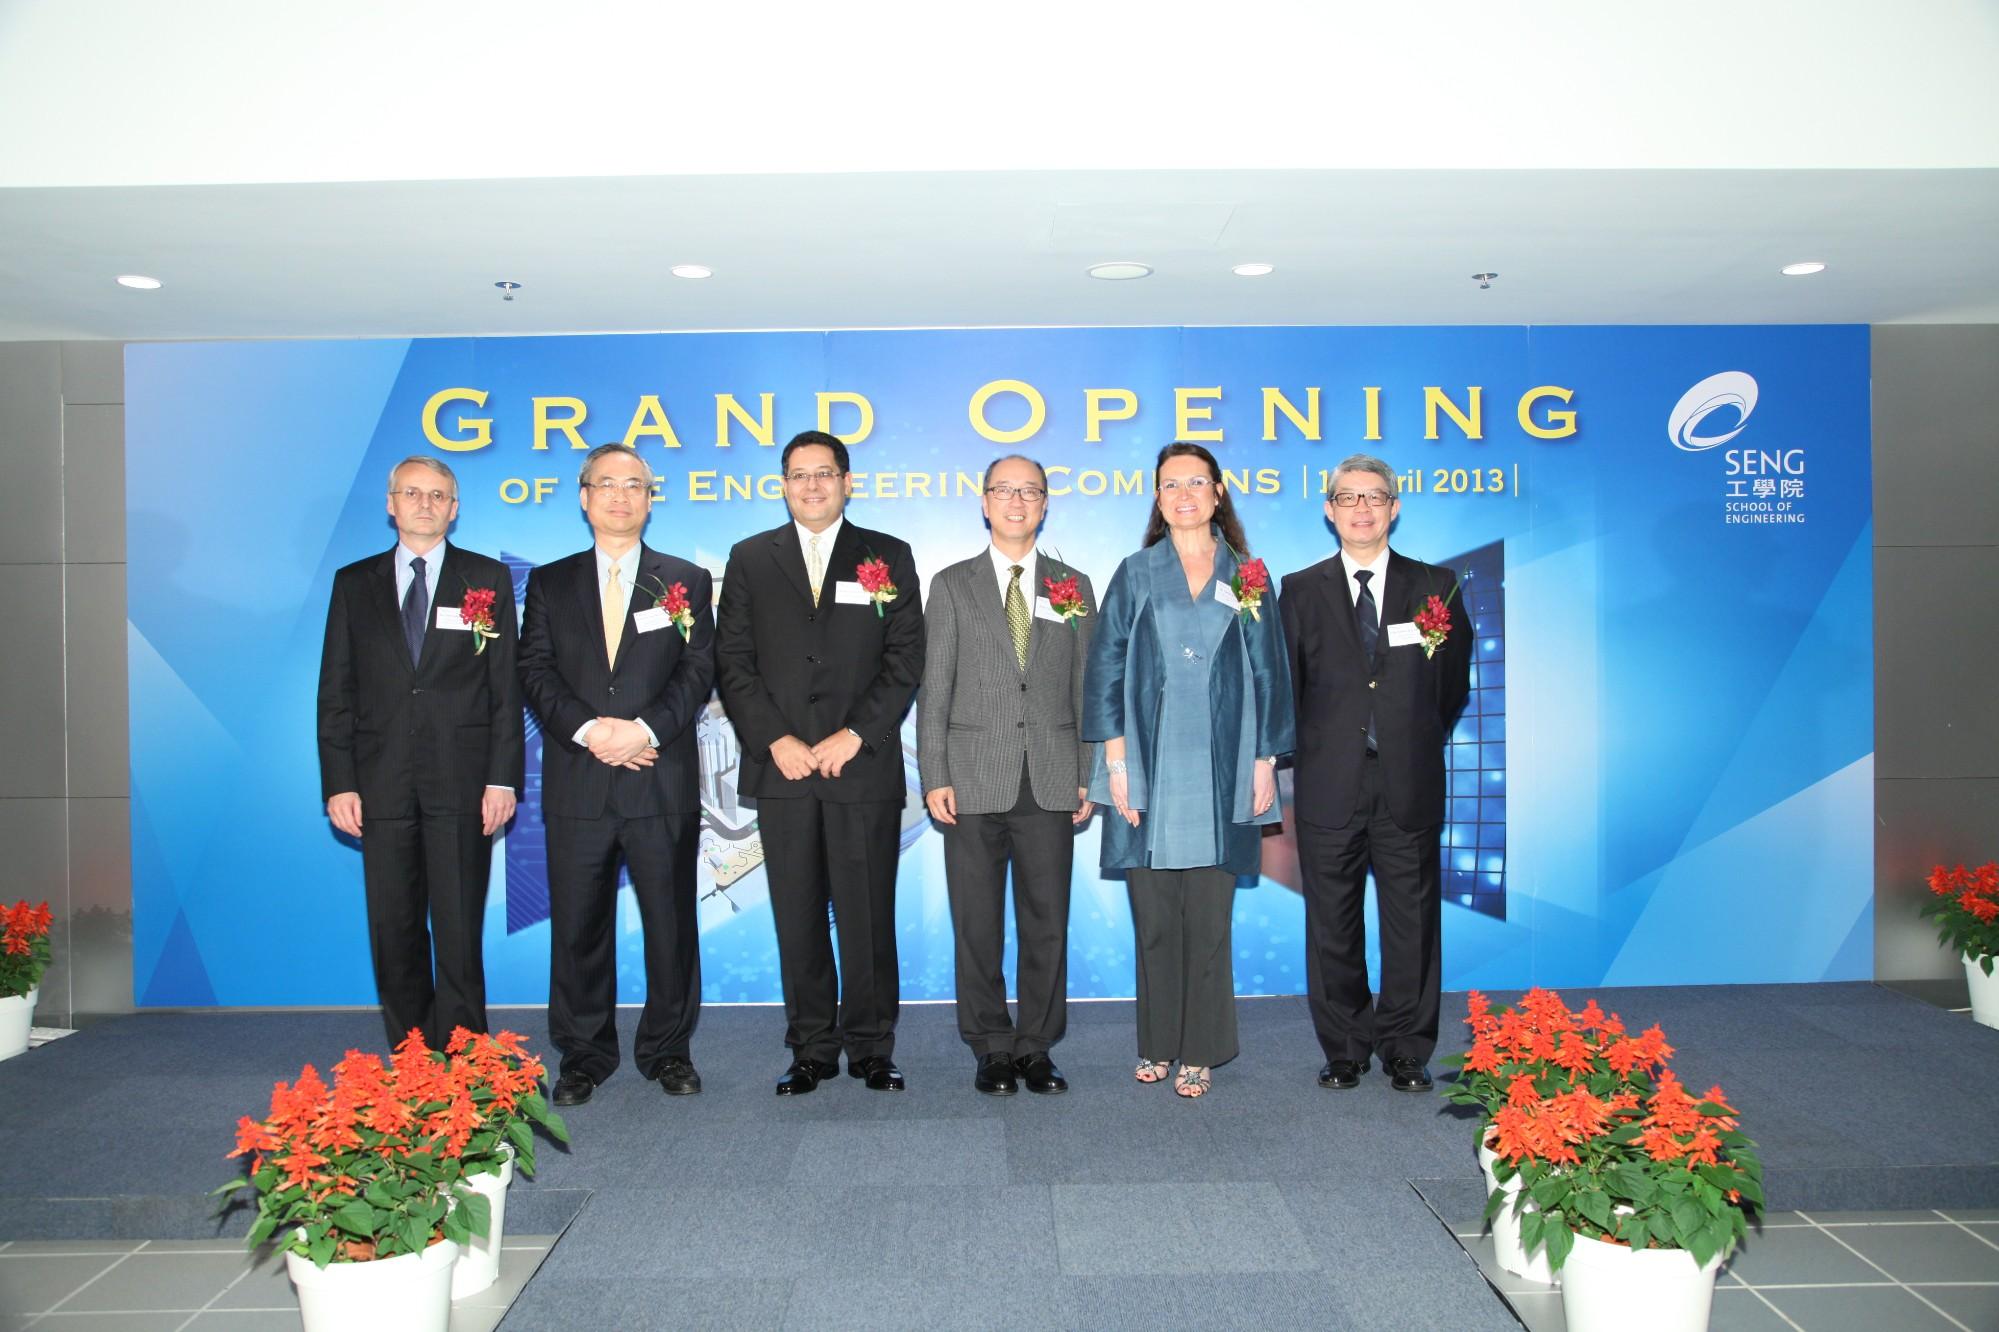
x=495, y=786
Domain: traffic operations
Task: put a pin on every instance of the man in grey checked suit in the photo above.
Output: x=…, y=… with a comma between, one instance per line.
x=1005, y=773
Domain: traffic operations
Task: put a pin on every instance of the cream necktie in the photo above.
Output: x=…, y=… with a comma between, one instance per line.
x=815, y=572
x=616, y=604
x=1018, y=622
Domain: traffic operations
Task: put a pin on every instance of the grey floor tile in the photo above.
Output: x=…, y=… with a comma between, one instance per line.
x=1794, y=1257
x=129, y=1321
x=185, y=1281
x=1976, y=1307
x=248, y=1320
x=1863, y=1309
x=1741, y=1310
x=1778, y=1220
x=516, y=1267
x=1900, y=1218
x=1972, y=1213
x=195, y=1246
x=32, y=1283
x=265, y=1285
x=25, y=1248
x=1481, y=1250
x=474, y=1318
x=1131, y=1229
x=1915, y=1254
x=1985, y=1230
x=918, y=1152
x=1539, y=1313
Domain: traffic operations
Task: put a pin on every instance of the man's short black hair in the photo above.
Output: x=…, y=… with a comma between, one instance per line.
x=808, y=438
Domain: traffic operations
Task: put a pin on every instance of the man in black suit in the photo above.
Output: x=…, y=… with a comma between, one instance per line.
x=420, y=727
x=1375, y=707
x=818, y=662
x=617, y=657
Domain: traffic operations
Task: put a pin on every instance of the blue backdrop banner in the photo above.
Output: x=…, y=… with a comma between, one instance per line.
x=1664, y=774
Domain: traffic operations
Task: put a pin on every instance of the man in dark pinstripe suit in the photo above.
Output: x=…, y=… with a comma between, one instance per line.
x=1005, y=773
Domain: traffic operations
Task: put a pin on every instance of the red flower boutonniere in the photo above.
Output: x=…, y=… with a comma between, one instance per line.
x=1250, y=582
x=1065, y=597
x=1435, y=622
x=477, y=612
x=875, y=580
x=679, y=611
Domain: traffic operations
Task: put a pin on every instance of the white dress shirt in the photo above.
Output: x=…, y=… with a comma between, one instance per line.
x=628, y=577
x=1003, y=572
x=1375, y=584
x=826, y=540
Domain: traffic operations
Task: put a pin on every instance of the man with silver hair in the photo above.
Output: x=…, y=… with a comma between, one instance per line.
x=1377, y=694
x=420, y=749
x=617, y=658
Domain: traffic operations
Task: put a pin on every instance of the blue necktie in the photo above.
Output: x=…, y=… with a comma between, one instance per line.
x=415, y=602
x=1370, y=637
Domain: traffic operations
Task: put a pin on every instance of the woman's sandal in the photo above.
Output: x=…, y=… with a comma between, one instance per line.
x=1150, y=1071
x=1192, y=1081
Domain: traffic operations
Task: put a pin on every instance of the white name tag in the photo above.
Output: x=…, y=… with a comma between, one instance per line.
x=651, y=618
x=1405, y=634
x=1045, y=610
x=1226, y=596
x=449, y=618
x=850, y=594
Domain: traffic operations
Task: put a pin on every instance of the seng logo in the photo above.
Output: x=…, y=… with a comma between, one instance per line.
x=1729, y=397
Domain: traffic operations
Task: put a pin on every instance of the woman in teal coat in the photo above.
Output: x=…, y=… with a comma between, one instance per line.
x=1189, y=692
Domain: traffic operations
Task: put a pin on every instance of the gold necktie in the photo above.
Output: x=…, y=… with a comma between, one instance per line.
x=815, y=572
x=1017, y=618
x=615, y=607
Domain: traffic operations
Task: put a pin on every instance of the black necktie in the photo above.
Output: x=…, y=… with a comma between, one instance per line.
x=415, y=602
x=1370, y=637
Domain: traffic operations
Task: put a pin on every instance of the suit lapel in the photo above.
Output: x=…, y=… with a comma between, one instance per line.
x=449, y=579
x=383, y=577
x=790, y=560
x=1339, y=603
x=647, y=589
x=590, y=600
x=849, y=549
x=1037, y=637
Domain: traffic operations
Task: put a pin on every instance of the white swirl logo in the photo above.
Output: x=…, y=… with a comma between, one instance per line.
x=1729, y=389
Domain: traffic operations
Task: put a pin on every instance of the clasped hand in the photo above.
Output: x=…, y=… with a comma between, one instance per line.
x=620, y=743
x=797, y=760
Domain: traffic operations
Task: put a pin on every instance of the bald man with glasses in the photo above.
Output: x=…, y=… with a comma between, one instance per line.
x=1374, y=711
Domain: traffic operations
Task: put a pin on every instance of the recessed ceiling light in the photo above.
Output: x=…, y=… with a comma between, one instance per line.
x=1253, y=270
x=138, y=282
x=1121, y=270
x=1805, y=269
x=691, y=271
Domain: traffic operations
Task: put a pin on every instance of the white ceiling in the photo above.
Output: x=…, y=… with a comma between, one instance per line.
x=363, y=169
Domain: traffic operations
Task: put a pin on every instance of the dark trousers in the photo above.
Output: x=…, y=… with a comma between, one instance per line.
x=1409, y=895
x=818, y=852
x=425, y=881
x=1186, y=969
x=1040, y=845
x=583, y=855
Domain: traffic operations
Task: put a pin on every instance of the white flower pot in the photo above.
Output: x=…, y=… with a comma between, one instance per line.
x=1984, y=992
x=1612, y=1288
x=408, y=1293
x=17, y=1014
x=1508, y=1251
x=479, y=1266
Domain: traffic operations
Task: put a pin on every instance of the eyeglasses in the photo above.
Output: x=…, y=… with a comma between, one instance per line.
x=1031, y=494
x=1375, y=499
x=630, y=485
x=411, y=495
x=825, y=476
x=1193, y=485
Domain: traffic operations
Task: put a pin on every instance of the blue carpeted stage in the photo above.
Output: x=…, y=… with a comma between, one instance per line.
x=1269, y=1203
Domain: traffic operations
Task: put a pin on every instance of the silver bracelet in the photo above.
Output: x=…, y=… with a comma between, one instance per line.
x=1116, y=766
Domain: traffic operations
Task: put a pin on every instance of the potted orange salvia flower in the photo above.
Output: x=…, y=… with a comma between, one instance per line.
x=504, y=1080
x=1636, y=1188
x=24, y=956
x=1965, y=907
x=364, y=1182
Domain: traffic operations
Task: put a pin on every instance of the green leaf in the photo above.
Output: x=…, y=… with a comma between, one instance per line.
x=1495, y=1200
x=1559, y=1239
x=1700, y=1245
x=1548, y=1193
x=319, y=1248
x=1594, y=1204
x=1687, y=1220
x=356, y=1218
x=263, y=1230
x=478, y=1212
x=1532, y=1226
x=1632, y=1182
x=378, y=1194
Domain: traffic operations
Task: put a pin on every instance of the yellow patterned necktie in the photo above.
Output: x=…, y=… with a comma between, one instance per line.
x=815, y=572
x=615, y=606
x=1017, y=618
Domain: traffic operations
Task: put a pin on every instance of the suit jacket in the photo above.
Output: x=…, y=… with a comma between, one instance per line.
x=1415, y=699
x=439, y=729
x=1249, y=708
x=789, y=668
x=980, y=712
x=658, y=678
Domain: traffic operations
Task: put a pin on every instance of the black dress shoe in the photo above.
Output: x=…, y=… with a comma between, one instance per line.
x=995, y=1075
x=1342, y=1074
x=880, y=1072
x=805, y=1075
x=572, y=1089
x=1038, y=1071
x=1408, y=1075
x=676, y=1077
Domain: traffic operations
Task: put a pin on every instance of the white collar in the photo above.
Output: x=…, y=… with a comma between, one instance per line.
x=826, y=538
